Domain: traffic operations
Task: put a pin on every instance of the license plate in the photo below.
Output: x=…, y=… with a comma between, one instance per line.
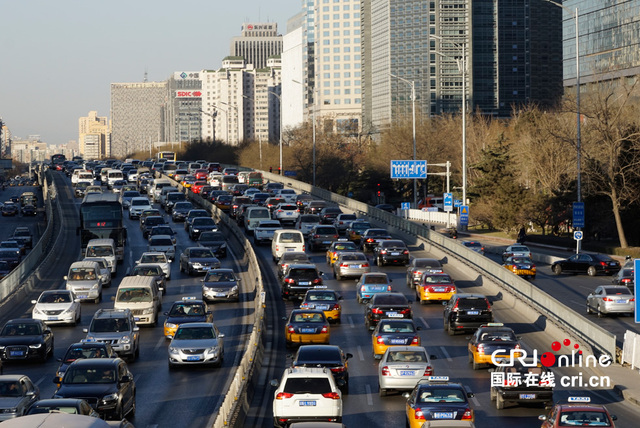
x=306, y=403
x=397, y=341
x=326, y=242
x=136, y=318
x=221, y=294
x=307, y=330
x=527, y=396
x=290, y=249
x=612, y=263
x=439, y=289
x=82, y=296
x=443, y=415
x=304, y=283
x=377, y=288
x=407, y=372
x=394, y=315
x=194, y=358
x=16, y=353
x=322, y=307
x=621, y=301
x=52, y=318
x=473, y=312
x=395, y=253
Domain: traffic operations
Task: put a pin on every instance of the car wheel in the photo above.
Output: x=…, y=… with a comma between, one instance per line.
x=470, y=357
x=450, y=331
x=557, y=269
x=338, y=276
x=382, y=392
x=476, y=365
x=98, y=299
x=119, y=413
x=592, y=271
x=589, y=309
x=492, y=394
x=359, y=299
x=599, y=312
x=499, y=402
x=132, y=410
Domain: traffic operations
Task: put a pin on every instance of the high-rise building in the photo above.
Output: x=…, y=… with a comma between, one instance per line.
x=294, y=87
x=137, y=116
x=257, y=43
x=183, y=120
x=94, y=136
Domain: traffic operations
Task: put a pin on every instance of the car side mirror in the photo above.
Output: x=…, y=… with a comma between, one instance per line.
x=470, y=394
x=614, y=417
x=85, y=330
x=33, y=302
x=113, y=298
x=57, y=380
x=444, y=303
x=65, y=277
x=410, y=302
x=274, y=383
x=542, y=418
x=348, y=355
x=433, y=357
x=406, y=395
x=126, y=379
x=59, y=360
x=30, y=393
x=136, y=328
x=221, y=336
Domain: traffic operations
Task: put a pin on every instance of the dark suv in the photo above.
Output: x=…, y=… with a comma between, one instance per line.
x=386, y=305
x=105, y=383
x=391, y=251
x=466, y=312
x=329, y=356
x=298, y=279
x=538, y=391
x=329, y=214
x=322, y=236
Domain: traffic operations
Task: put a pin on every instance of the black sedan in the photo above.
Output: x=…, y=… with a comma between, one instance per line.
x=185, y=311
x=9, y=209
x=198, y=260
x=10, y=256
x=201, y=224
x=80, y=350
x=153, y=270
x=29, y=210
x=215, y=241
x=591, y=264
x=25, y=339
x=329, y=356
x=386, y=305
x=180, y=210
x=391, y=251
x=371, y=237
x=4, y=269
x=329, y=214
x=72, y=406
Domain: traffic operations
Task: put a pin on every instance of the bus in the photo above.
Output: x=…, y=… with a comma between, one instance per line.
x=101, y=218
x=166, y=156
x=57, y=161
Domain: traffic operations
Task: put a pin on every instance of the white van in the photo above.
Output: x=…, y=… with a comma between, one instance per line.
x=286, y=240
x=254, y=215
x=140, y=294
x=85, y=280
x=157, y=187
x=114, y=175
x=105, y=248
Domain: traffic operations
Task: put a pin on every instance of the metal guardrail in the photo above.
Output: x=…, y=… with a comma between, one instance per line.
x=589, y=332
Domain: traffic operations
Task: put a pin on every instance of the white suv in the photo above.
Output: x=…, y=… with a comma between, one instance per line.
x=320, y=399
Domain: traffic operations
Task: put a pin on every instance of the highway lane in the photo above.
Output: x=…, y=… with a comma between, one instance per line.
x=363, y=406
x=186, y=397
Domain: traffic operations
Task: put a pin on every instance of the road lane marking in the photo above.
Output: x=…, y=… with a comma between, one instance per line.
x=369, y=399
x=424, y=321
x=360, y=353
x=160, y=343
x=39, y=380
x=476, y=403
x=351, y=323
x=446, y=354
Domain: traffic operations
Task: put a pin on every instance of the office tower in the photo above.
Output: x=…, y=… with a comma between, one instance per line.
x=257, y=43
x=183, y=121
x=94, y=136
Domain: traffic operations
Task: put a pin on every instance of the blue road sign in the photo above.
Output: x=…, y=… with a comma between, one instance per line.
x=448, y=202
x=408, y=169
x=405, y=205
x=636, y=268
x=288, y=173
x=578, y=214
x=464, y=215
x=578, y=235
x=457, y=203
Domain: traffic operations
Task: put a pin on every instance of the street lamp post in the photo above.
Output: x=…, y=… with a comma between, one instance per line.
x=237, y=121
x=412, y=84
x=313, y=127
x=212, y=116
x=280, y=102
x=257, y=131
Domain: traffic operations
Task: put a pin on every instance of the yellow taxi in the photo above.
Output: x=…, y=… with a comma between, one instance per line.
x=489, y=338
x=223, y=202
x=393, y=332
x=356, y=229
x=337, y=247
x=435, y=286
x=521, y=266
x=189, y=309
x=188, y=181
x=437, y=399
x=325, y=300
x=306, y=326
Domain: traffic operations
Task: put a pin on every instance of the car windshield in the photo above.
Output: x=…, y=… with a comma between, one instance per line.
x=109, y=325
x=441, y=395
x=376, y=279
x=55, y=298
x=437, y=279
x=498, y=336
x=10, y=389
x=584, y=418
x=182, y=206
x=309, y=274
x=160, y=242
x=473, y=303
x=80, y=375
x=70, y=410
x=353, y=257
x=396, y=327
x=326, y=230
x=377, y=233
x=201, y=253
x=309, y=219
x=389, y=299
x=81, y=274
x=133, y=295
x=153, y=258
x=211, y=236
x=617, y=290
x=321, y=296
x=99, y=251
x=146, y=271
x=204, y=222
x=407, y=356
x=141, y=202
x=519, y=249
x=187, y=310
x=308, y=317
x=194, y=333
x=219, y=277
x=345, y=246
x=520, y=260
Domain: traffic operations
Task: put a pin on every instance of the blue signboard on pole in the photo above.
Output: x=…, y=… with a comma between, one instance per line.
x=457, y=203
x=636, y=267
x=405, y=205
x=464, y=215
x=408, y=169
x=448, y=202
x=578, y=214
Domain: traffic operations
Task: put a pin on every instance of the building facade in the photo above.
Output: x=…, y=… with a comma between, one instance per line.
x=183, y=121
x=257, y=43
x=94, y=136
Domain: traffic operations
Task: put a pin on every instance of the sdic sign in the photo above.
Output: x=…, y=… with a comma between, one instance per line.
x=188, y=94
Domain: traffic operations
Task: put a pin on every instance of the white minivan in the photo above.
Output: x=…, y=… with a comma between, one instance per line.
x=141, y=295
x=286, y=240
x=105, y=248
x=254, y=215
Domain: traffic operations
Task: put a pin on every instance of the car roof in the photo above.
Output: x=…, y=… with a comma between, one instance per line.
x=96, y=362
x=11, y=377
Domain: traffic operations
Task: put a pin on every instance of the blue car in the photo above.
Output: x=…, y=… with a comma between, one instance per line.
x=372, y=283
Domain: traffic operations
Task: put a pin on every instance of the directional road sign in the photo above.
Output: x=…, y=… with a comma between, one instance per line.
x=457, y=203
x=448, y=202
x=578, y=214
x=578, y=235
x=408, y=169
x=405, y=205
x=464, y=215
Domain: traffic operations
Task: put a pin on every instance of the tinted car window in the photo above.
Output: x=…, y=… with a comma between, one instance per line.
x=475, y=303
x=309, y=385
x=389, y=299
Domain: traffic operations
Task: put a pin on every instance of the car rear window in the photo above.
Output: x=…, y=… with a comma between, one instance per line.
x=428, y=263
x=473, y=303
x=290, y=238
x=303, y=274
x=351, y=257
x=389, y=299
x=309, y=385
x=326, y=230
x=617, y=290
x=308, y=218
x=376, y=279
x=319, y=355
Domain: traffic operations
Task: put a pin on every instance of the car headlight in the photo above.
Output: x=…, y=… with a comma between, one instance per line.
x=213, y=350
x=224, y=245
x=173, y=350
x=125, y=339
x=94, y=286
x=36, y=346
x=234, y=289
x=36, y=310
x=196, y=230
x=11, y=410
x=170, y=325
x=196, y=264
x=90, y=338
x=110, y=397
x=147, y=311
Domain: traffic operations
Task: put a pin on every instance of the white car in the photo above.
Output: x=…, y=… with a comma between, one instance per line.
x=286, y=213
x=162, y=244
x=402, y=367
x=289, y=195
x=105, y=270
x=57, y=307
x=320, y=397
x=158, y=259
x=264, y=231
x=138, y=205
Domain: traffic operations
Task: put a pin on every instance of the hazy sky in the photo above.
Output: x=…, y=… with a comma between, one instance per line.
x=58, y=58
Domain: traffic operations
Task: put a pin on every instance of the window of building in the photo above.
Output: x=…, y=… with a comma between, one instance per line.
x=347, y=91
x=336, y=92
x=347, y=74
x=326, y=58
x=325, y=34
x=336, y=9
x=336, y=58
x=336, y=83
x=336, y=16
x=347, y=57
x=326, y=75
x=346, y=49
x=346, y=16
x=326, y=67
x=336, y=66
x=326, y=91
x=336, y=25
x=358, y=101
x=336, y=50
x=326, y=84
x=347, y=83
x=356, y=32
x=347, y=66
x=326, y=42
x=336, y=75
x=336, y=102
x=326, y=50
x=346, y=32
x=347, y=100
x=325, y=17
x=346, y=41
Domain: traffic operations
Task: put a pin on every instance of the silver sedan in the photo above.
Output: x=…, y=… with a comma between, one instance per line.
x=196, y=344
x=351, y=264
x=402, y=367
x=610, y=299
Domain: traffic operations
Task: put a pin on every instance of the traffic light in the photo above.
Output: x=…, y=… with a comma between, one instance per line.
x=379, y=193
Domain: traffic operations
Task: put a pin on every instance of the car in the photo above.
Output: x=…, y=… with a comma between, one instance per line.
x=286, y=213
x=239, y=189
x=150, y=222
x=264, y=231
x=105, y=269
x=298, y=279
x=198, y=186
x=306, y=394
x=337, y=247
x=26, y=339
x=329, y=214
x=14, y=246
x=236, y=202
x=223, y=202
x=57, y=307
x=516, y=250
x=436, y=398
x=306, y=326
x=85, y=280
x=466, y=312
x=150, y=212
x=194, y=213
x=154, y=270
x=230, y=171
x=79, y=350
x=591, y=264
x=241, y=211
x=402, y=367
x=386, y=207
x=215, y=241
x=72, y=406
x=189, y=309
x=10, y=257
x=4, y=269
x=271, y=202
x=351, y=265
x=260, y=198
x=356, y=229
x=188, y=181
x=625, y=276
x=314, y=207
x=489, y=338
x=370, y=284
x=394, y=332
x=10, y=209
x=163, y=229
x=273, y=187
x=289, y=195
x=291, y=257
x=118, y=328
x=578, y=412
x=106, y=383
x=306, y=222
x=435, y=286
x=325, y=300
x=158, y=259
x=180, y=210
x=221, y=284
x=386, y=305
x=116, y=186
x=521, y=266
x=322, y=236
x=197, y=260
x=611, y=299
x=474, y=246
x=162, y=244
x=371, y=237
x=327, y=356
x=302, y=200
x=391, y=251
x=201, y=224
x=252, y=191
x=17, y=394
x=418, y=266
x=127, y=196
x=29, y=210
x=197, y=343
x=509, y=391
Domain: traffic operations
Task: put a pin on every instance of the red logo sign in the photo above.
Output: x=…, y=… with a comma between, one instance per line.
x=188, y=94
x=249, y=27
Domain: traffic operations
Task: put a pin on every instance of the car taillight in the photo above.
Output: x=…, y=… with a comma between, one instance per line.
x=603, y=264
x=388, y=288
x=317, y=281
x=337, y=370
x=607, y=299
x=344, y=265
x=418, y=415
x=625, y=281
x=325, y=329
x=405, y=311
x=363, y=288
x=365, y=265
x=369, y=239
x=336, y=307
x=290, y=329
x=383, y=251
x=468, y=415
x=455, y=308
x=376, y=311
x=415, y=341
x=316, y=236
x=632, y=299
x=379, y=339
x=481, y=349
x=335, y=236
x=283, y=395
x=405, y=252
x=385, y=371
x=331, y=395
x=428, y=371
x=289, y=280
